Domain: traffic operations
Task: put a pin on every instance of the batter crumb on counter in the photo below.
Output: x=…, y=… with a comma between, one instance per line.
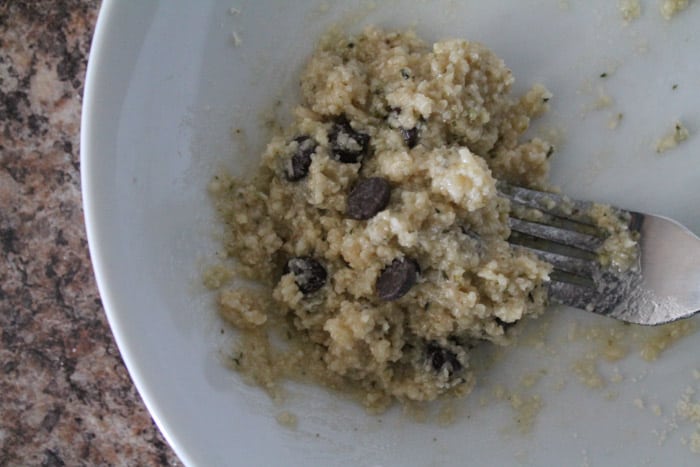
x=672, y=139
x=670, y=8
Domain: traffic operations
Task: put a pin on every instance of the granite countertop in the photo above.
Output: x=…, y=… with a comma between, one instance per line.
x=67, y=398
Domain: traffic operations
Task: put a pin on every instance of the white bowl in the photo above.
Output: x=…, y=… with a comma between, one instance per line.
x=165, y=87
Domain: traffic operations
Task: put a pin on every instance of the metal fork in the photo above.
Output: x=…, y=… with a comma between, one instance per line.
x=662, y=284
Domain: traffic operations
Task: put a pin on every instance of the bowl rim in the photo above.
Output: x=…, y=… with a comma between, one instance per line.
x=89, y=144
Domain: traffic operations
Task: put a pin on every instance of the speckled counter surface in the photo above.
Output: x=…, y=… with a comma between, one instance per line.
x=65, y=395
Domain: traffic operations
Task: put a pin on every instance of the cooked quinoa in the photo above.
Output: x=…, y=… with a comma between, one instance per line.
x=630, y=9
x=374, y=222
x=673, y=138
x=670, y=8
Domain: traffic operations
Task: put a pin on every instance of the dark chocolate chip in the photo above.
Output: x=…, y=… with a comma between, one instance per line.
x=441, y=358
x=393, y=112
x=309, y=274
x=347, y=145
x=397, y=279
x=298, y=166
x=410, y=137
x=367, y=198
x=504, y=324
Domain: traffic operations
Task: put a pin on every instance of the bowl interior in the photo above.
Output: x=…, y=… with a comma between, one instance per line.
x=171, y=98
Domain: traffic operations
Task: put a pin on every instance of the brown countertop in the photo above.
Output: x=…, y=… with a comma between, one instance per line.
x=66, y=397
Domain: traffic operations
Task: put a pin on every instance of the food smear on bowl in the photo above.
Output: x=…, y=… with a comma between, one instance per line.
x=670, y=8
x=673, y=138
x=374, y=225
x=630, y=9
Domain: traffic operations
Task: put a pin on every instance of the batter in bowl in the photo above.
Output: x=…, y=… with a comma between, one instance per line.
x=374, y=223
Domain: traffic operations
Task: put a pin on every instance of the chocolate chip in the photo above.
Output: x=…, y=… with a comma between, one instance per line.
x=347, y=145
x=367, y=198
x=441, y=358
x=504, y=324
x=393, y=112
x=410, y=137
x=397, y=279
x=298, y=166
x=309, y=274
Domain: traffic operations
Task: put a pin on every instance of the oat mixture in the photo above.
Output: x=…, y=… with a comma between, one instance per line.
x=374, y=224
x=630, y=9
x=673, y=138
x=670, y=8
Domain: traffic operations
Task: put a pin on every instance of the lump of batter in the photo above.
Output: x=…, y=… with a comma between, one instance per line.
x=375, y=221
x=672, y=139
x=670, y=8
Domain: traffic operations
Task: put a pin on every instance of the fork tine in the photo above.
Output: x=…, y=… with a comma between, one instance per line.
x=566, y=263
x=559, y=235
x=573, y=295
x=661, y=284
x=527, y=213
x=562, y=234
x=548, y=202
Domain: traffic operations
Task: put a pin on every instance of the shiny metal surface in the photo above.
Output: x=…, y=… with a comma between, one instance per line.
x=662, y=285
